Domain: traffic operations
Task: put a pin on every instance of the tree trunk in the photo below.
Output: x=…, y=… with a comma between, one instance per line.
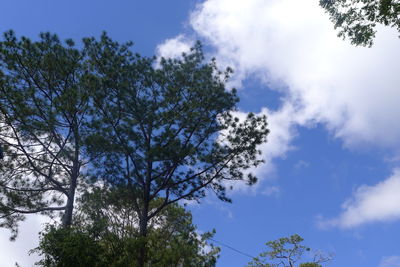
x=143, y=238
x=67, y=217
x=144, y=218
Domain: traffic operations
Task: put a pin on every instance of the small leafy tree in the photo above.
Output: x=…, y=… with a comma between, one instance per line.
x=357, y=19
x=68, y=247
x=286, y=252
x=167, y=133
x=107, y=234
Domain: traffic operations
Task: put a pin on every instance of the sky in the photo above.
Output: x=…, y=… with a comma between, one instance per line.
x=332, y=160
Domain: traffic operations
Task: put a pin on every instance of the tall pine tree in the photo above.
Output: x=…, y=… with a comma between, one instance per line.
x=43, y=109
x=168, y=131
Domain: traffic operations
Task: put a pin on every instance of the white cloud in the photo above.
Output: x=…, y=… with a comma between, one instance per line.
x=377, y=203
x=174, y=47
x=393, y=261
x=353, y=90
x=281, y=124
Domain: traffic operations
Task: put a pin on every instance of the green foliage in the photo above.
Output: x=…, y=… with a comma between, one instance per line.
x=357, y=19
x=171, y=239
x=286, y=252
x=107, y=234
x=69, y=247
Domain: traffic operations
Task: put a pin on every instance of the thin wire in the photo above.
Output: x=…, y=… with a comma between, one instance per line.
x=234, y=249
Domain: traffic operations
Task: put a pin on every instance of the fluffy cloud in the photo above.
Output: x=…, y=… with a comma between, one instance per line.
x=292, y=46
x=377, y=203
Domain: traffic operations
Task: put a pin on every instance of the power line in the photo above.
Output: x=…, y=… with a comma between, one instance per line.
x=232, y=248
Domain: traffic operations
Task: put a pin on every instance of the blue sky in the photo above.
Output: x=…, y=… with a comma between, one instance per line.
x=332, y=157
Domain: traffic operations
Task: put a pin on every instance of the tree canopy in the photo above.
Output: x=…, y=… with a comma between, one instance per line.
x=357, y=19
x=286, y=252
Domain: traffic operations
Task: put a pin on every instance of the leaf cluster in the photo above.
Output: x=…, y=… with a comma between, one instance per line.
x=357, y=19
